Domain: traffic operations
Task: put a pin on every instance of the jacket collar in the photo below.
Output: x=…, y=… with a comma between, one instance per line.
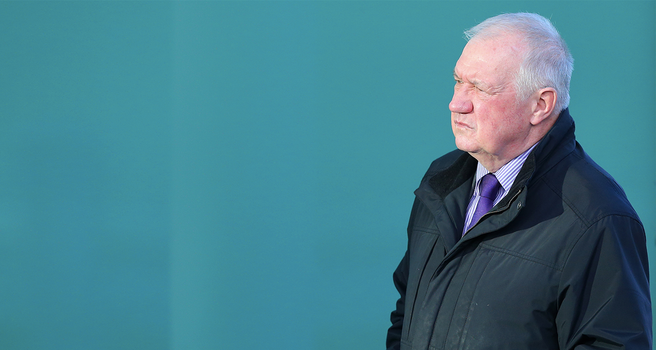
x=447, y=186
x=554, y=146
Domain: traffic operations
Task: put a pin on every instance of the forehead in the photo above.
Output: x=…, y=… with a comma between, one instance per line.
x=493, y=60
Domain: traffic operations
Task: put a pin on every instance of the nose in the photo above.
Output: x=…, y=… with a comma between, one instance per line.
x=461, y=103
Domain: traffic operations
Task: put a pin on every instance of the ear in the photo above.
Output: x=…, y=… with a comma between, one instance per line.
x=545, y=101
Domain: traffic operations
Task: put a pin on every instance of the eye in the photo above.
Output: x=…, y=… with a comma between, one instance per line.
x=480, y=87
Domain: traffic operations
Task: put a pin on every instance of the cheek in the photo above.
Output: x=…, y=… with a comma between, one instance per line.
x=499, y=125
x=510, y=125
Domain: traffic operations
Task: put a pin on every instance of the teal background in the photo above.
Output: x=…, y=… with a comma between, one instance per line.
x=238, y=175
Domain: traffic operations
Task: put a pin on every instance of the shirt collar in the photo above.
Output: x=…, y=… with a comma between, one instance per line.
x=506, y=174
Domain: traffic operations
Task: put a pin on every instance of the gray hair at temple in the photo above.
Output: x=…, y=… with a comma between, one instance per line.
x=547, y=61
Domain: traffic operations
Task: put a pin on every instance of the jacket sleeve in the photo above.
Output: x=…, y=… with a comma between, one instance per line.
x=400, y=282
x=604, y=300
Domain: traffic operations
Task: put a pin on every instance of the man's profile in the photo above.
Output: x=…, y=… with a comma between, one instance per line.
x=518, y=240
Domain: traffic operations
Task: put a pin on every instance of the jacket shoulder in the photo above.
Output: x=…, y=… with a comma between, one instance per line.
x=444, y=162
x=589, y=190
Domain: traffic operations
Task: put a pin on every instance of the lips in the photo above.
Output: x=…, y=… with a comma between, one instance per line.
x=460, y=124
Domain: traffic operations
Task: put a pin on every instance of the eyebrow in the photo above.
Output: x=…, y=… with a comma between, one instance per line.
x=475, y=82
x=478, y=83
x=455, y=75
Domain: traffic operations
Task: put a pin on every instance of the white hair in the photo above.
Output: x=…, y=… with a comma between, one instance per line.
x=546, y=63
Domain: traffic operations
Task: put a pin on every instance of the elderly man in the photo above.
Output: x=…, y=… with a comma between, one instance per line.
x=518, y=240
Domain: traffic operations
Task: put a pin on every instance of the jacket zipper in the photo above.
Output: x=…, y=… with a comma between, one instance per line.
x=498, y=210
x=448, y=255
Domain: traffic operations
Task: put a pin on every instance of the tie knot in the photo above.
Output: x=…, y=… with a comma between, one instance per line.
x=489, y=186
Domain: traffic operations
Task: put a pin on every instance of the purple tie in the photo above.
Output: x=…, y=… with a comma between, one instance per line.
x=489, y=188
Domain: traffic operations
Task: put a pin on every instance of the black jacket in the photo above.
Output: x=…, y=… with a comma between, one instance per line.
x=559, y=263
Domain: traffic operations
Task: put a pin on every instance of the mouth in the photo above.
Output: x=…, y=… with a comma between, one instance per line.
x=461, y=125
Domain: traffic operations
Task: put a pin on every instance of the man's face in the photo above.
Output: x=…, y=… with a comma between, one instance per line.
x=487, y=120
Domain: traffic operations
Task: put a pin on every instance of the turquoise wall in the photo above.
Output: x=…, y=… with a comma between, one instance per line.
x=238, y=175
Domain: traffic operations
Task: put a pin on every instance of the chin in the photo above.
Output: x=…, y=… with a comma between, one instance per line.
x=463, y=145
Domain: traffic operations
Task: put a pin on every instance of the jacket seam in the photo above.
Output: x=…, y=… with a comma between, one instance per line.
x=455, y=305
x=522, y=256
x=424, y=229
x=465, y=326
x=587, y=230
x=574, y=209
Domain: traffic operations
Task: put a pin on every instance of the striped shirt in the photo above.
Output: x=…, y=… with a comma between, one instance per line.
x=505, y=175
